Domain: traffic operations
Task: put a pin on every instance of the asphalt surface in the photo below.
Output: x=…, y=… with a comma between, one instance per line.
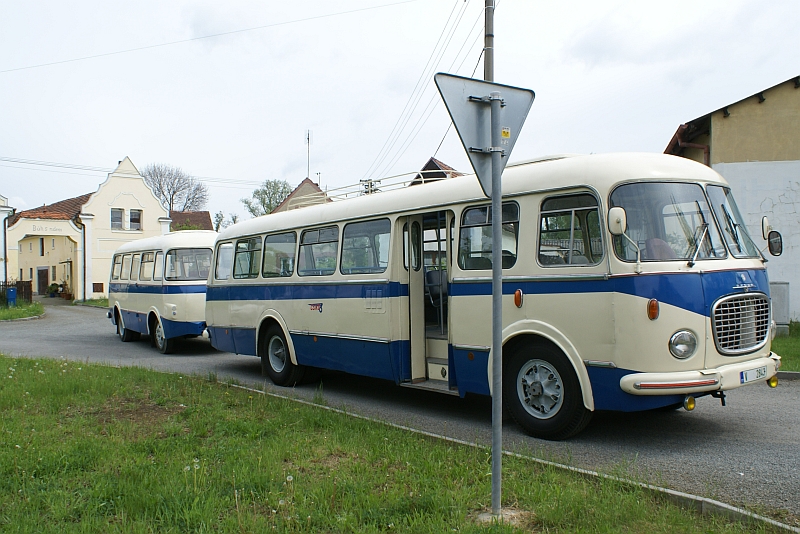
x=747, y=453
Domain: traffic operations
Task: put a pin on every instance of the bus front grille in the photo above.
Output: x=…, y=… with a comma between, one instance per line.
x=741, y=323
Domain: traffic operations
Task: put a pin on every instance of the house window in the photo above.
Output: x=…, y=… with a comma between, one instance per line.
x=20, y=275
x=53, y=243
x=53, y=275
x=41, y=246
x=97, y=287
x=135, y=220
x=30, y=246
x=116, y=218
x=31, y=272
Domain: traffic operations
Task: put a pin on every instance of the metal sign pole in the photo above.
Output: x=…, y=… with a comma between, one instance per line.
x=497, y=305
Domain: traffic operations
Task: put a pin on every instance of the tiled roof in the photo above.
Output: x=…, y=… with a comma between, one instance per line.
x=201, y=220
x=294, y=193
x=62, y=210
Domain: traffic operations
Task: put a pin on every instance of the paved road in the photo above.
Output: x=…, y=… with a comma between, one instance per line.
x=745, y=453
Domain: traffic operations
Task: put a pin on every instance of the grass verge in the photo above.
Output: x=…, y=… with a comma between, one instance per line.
x=788, y=348
x=103, y=449
x=95, y=303
x=21, y=310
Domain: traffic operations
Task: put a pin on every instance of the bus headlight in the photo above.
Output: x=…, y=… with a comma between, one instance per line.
x=683, y=344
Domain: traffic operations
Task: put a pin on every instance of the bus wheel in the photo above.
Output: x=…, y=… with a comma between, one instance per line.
x=124, y=334
x=543, y=394
x=275, y=360
x=163, y=344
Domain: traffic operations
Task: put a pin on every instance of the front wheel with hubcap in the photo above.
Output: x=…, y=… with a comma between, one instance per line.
x=542, y=392
x=275, y=360
x=163, y=344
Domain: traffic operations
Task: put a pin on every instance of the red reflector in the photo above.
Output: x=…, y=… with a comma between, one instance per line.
x=670, y=385
x=518, y=298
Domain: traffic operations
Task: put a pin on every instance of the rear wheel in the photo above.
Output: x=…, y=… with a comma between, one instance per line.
x=542, y=392
x=275, y=360
x=164, y=345
x=124, y=334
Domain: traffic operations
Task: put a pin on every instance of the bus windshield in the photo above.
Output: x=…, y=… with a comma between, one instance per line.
x=668, y=221
x=188, y=264
x=733, y=228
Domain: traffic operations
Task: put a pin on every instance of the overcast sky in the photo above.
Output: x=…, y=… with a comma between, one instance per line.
x=609, y=76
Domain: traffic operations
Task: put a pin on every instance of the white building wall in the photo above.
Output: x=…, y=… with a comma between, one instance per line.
x=771, y=188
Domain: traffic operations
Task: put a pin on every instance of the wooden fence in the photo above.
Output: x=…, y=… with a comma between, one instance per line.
x=24, y=291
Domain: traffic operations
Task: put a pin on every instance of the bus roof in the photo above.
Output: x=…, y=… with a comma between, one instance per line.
x=180, y=239
x=599, y=171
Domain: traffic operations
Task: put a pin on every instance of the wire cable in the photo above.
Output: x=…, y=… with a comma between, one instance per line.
x=221, y=34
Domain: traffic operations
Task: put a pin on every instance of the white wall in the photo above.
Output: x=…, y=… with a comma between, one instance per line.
x=771, y=188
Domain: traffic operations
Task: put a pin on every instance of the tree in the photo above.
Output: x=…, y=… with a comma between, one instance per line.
x=220, y=222
x=176, y=190
x=267, y=197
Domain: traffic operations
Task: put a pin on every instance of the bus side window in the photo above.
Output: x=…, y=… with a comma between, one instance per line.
x=117, y=267
x=158, y=268
x=222, y=270
x=135, y=266
x=318, y=251
x=247, y=257
x=569, y=231
x=146, y=270
x=365, y=247
x=279, y=255
x=475, y=239
x=125, y=271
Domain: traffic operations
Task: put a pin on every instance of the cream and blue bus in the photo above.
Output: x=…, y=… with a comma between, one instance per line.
x=158, y=287
x=629, y=283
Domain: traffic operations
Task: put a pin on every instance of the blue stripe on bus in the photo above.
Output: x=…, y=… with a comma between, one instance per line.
x=360, y=357
x=469, y=371
x=156, y=289
x=305, y=291
x=608, y=395
x=182, y=328
x=695, y=292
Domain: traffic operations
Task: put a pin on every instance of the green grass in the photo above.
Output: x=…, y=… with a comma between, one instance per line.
x=21, y=310
x=788, y=348
x=96, y=303
x=87, y=448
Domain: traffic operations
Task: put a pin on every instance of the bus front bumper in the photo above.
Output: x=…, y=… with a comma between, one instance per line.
x=722, y=378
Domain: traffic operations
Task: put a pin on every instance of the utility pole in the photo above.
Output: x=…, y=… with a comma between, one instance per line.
x=488, y=42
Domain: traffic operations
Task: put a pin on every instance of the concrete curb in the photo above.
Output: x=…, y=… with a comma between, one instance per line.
x=23, y=318
x=701, y=505
x=788, y=375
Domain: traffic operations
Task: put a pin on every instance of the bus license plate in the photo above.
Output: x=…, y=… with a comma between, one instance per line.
x=753, y=374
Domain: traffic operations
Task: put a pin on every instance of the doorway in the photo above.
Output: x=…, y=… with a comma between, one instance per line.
x=42, y=280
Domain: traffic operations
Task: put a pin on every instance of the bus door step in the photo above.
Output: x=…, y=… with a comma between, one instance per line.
x=439, y=386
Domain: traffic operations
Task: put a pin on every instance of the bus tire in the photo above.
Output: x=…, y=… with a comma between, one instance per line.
x=124, y=334
x=542, y=392
x=275, y=360
x=162, y=344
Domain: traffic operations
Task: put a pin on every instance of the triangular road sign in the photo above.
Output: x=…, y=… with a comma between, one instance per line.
x=472, y=118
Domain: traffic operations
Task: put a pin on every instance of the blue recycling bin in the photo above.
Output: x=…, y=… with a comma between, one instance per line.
x=11, y=296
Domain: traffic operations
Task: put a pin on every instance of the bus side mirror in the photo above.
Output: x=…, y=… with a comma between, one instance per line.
x=775, y=243
x=765, y=227
x=617, y=221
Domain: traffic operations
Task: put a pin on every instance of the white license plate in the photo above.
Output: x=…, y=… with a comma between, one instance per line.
x=759, y=373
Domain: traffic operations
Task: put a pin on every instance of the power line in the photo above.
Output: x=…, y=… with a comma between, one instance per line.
x=232, y=32
x=380, y=155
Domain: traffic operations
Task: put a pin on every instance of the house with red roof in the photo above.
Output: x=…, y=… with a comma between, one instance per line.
x=71, y=242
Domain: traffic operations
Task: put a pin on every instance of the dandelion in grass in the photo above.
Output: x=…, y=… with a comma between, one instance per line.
x=289, y=478
x=186, y=468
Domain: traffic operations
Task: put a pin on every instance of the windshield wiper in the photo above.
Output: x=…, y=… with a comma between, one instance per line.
x=698, y=244
x=732, y=227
